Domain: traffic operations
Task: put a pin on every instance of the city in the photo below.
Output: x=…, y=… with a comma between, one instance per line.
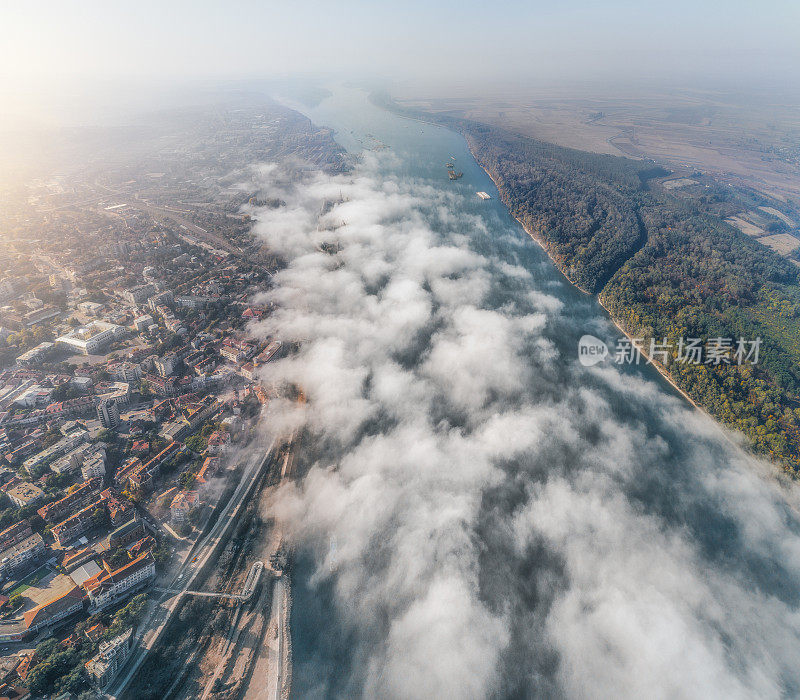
x=129, y=404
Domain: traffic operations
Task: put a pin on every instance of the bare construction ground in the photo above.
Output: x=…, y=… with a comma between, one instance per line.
x=781, y=243
x=270, y=674
x=222, y=668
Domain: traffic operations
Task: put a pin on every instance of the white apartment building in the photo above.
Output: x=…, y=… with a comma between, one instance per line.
x=93, y=466
x=142, y=323
x=92, y=338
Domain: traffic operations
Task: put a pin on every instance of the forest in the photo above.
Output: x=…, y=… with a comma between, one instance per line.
x=578, y=205
x=664, y=268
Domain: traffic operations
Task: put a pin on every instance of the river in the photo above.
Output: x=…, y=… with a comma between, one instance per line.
x=483, y=516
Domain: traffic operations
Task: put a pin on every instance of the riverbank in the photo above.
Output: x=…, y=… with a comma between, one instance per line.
x=659, y=367
x=536, y=239
x=649, y=479
x=663, y=371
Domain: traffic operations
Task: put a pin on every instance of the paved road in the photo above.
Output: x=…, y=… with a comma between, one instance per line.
x=194, y=564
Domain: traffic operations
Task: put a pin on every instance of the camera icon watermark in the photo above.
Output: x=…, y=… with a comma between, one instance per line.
x=690, y=351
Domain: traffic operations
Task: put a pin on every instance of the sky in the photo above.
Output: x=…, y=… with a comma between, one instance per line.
x=53, y=42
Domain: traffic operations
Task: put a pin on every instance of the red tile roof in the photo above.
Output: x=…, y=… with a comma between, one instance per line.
x=41, y=613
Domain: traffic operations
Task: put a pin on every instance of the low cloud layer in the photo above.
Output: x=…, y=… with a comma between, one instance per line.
x=484, y=516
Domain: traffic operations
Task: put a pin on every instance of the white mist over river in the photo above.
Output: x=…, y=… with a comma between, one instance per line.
x=480, y=515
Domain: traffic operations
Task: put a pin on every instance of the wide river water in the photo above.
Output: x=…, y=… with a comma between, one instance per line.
x=577, y=532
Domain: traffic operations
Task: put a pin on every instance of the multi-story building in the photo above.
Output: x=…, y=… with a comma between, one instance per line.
x=162, y=386
x=92, y=338
x=58, y=510
x=24, y=493
x=94, y=467
x=75, y=459
x=143, y=322
x=165, y=298
x=201, y=411
x=34, y=396
x=182, y=504
x=37, y=316
x=206, y=472
x=125, y=372
x=194, y=302
x=140, y=480
x=15, y=533
x=67, y=443
x=74, y=526
x=21, y=452
x=119, y=391
x=165, y=366
x=53, y=611
x=71, y=407
x=108, y=413
x=21, y=554
x=124, y=471
x=109, y=659
x=112, y=585
x=131, y=531
x=91, y=308
x=36, y=355
x=138, y=475
x=192, y=418
x=268, y=353
x=138, y=294
x=231, y=352
x=218, y=442
x=119, y=511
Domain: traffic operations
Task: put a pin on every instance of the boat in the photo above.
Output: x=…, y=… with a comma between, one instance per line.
x=484, y=195
x=448, y=165
x=453, y=175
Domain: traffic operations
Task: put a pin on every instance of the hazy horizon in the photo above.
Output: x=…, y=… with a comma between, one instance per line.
x=61, y=57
